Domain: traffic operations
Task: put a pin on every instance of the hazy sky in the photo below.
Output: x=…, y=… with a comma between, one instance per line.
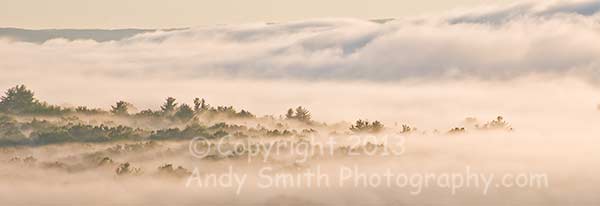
x=185, y=13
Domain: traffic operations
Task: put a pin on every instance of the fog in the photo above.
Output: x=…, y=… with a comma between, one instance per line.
x=567, y=157
x=535, y=64
x=553, y=133
x=497, y=42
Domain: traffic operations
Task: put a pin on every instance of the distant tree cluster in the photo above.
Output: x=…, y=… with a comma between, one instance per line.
x=497, y=124
x=121, y=108
x=300, y=113
x=44, y=132
x=10, y=131
x=24, y=120
x=185, y=112
x=366, y=126
x=457, y=130
x=407, y=129
x=127, y=169
x=20, y=100
x=171, y=171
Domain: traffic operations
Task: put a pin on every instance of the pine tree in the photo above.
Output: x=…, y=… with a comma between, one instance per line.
x=120, y=108
x=302, y=114
x=169, y=106
x=18, y=99
x=184, y=112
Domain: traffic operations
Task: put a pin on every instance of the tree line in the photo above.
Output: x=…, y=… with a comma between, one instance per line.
x=20, y=100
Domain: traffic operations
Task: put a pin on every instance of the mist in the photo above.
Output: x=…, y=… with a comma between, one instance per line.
x=497, y=90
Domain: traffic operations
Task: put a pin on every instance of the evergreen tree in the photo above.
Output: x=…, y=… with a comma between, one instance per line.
x=120, y=108
x=366, y=126
x=200, y=105
x=169, y=106
x=376, y=126
x=302, y=114
x=290, y=114
x=184, y=112
x=18, y=99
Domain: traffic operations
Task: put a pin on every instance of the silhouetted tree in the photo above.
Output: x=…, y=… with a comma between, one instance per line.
x=290, y=114
x=18, y=99
x=302, y=114
x=245, y=114
x=457, y=130
x=376, y=126
x=184, y=112
x=407, y=129
x=121, y=108
x=200, y=105
x=169, y=106
x=197, y=104
x=498, y=123
x=360, y=125
x=366, y=126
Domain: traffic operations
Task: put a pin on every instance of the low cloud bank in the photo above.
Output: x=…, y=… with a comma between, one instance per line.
x=558, y=38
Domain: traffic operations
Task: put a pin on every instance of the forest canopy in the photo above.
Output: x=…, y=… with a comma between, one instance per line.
x=26, y=120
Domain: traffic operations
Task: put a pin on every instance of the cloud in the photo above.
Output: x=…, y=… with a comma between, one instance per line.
x=40, y=36
x=558, y=38
x=499, y=15
x=407, y=71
